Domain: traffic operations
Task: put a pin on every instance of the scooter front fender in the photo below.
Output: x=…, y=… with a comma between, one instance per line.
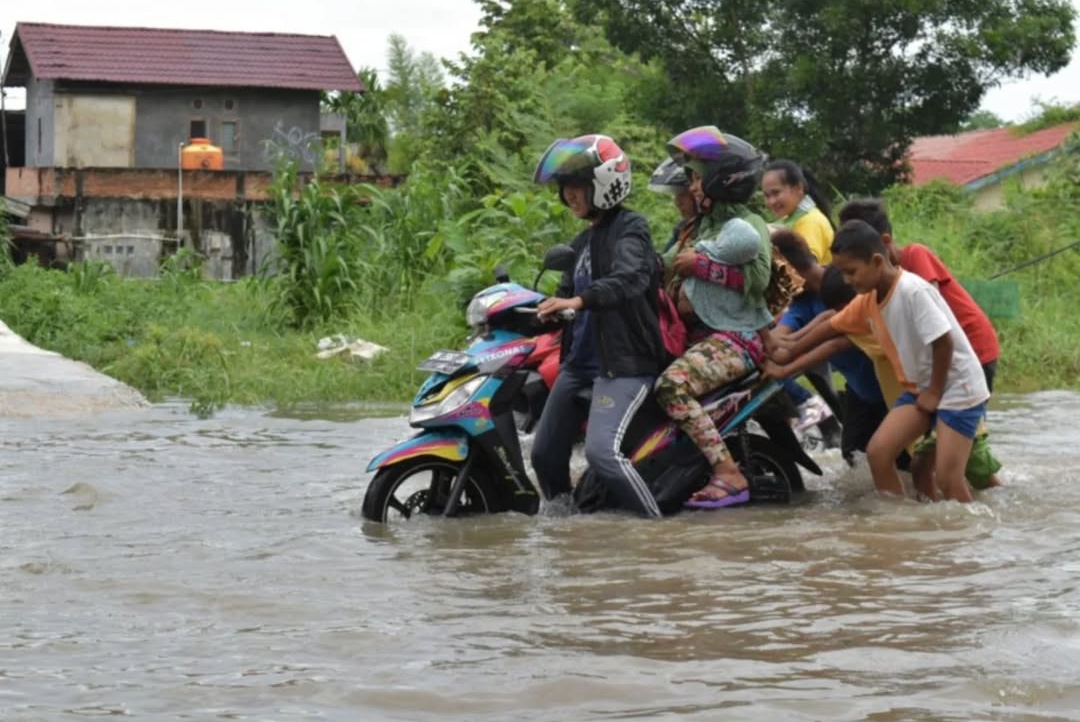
x=451, y=444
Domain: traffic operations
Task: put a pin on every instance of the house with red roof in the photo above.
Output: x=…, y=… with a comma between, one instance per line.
x=981, y=160
x=126, y=97
x=109, y=109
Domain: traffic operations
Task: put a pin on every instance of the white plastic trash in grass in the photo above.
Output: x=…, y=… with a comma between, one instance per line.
x=340, y=344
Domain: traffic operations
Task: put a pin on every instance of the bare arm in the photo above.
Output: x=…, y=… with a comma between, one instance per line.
x=792, y=347
x=810, y=359
x=942, y=351
x=820, y=318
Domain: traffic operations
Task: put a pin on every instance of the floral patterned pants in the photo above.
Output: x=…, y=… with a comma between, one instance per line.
x=706, y=366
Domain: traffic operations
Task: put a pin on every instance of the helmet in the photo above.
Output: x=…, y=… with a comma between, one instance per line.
x=729, y=166
x=669, y=177
x=593, y=160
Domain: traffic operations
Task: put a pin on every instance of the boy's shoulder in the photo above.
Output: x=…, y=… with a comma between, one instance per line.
x=921, y=259
x=911, y=287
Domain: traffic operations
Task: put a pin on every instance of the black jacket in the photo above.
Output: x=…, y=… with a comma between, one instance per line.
x=622, y=297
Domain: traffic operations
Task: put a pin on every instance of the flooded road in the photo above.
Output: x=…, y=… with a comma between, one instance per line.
x=163, y=567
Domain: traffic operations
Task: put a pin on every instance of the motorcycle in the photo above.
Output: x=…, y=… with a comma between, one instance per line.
x=467, y=459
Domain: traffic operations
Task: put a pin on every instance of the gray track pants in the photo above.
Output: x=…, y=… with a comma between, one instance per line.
x=614, y=403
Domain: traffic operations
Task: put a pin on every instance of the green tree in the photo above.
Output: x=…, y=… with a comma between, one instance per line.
x=366, y=121
x=982, y=120
x=413, y=84
x=840, y=85
x=493, y=110
x=1047, y=114
x=543, y=27
x=412, y=81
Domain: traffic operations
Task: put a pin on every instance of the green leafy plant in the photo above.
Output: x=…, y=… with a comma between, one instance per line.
x=314, y=272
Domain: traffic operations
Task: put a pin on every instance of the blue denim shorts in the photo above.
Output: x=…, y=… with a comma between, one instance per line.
x=963, y=421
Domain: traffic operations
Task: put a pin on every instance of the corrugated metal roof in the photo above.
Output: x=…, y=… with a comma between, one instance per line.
x=966, y=157
x=178, y=57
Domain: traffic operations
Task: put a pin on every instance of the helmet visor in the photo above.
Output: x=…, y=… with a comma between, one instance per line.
x=566, y=158
x=669, y=177
x=702, y=143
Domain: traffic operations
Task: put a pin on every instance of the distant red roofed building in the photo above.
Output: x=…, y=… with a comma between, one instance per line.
x=108, y=109
x=979, y=160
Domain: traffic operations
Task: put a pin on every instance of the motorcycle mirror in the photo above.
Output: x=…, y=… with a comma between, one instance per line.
x=559, y=258
x=501, y=274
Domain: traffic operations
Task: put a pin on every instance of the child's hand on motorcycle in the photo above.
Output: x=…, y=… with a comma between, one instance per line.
x=781, y=354
x=550, y=307
x=772, y=370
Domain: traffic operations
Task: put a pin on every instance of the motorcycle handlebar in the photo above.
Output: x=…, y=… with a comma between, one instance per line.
x=565, y=315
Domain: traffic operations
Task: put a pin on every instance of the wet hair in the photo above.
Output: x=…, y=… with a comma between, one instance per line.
x=870, y=210
x=860, y=240
x=794, y=175
x=835, y=292
x=793, y=248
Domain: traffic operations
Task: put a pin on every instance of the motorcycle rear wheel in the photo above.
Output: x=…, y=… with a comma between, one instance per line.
x=767, y=457
x=422, y=486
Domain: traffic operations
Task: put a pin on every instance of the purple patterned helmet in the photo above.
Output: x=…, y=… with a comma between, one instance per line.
x=729, y=166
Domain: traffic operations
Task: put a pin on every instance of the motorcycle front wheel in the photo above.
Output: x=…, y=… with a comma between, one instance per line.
x=421, y=486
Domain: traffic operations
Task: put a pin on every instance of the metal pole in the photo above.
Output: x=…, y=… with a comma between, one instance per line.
x=180, y=197
x=3, y=125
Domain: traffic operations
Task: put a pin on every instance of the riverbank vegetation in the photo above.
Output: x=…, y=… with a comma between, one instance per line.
x=397, y=266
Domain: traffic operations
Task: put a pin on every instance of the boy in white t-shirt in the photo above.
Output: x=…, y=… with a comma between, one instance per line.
x=944, y=385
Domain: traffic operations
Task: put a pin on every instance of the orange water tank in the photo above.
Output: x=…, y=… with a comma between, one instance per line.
x=199, y=154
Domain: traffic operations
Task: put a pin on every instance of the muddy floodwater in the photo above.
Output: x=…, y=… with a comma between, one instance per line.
x=162, y=567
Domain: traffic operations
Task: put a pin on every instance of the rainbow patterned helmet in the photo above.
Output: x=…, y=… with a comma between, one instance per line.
x=593, y=160
x=729, y=166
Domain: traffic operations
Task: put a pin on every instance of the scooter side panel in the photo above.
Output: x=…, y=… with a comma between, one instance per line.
x=447, y=444
x=763, y=394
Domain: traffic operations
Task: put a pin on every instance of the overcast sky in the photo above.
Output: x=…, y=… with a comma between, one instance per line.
x=441, y=27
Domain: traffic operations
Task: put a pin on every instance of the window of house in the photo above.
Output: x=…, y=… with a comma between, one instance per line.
x=230, y=137
x=198, y=129
x=39, y=138
x=230, y=104
x=197, y=103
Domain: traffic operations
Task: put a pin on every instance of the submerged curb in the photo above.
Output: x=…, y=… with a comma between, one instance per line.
x=35, y=383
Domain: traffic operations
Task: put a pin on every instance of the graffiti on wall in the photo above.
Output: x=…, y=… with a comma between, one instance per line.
x=292, y=143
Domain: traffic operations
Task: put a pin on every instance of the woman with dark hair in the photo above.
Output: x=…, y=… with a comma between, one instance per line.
x=800, y=206
x=796, y=201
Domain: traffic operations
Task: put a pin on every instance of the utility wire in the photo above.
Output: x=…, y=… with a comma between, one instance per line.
x=1033, y=261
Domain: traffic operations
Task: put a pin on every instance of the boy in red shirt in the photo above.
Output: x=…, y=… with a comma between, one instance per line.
x=923, y=262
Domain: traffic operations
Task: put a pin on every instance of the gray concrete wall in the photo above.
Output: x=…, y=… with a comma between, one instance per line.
x=135, y=235
x=124, y=233
x=40, y=123
x=285, y=119
x=268, y=121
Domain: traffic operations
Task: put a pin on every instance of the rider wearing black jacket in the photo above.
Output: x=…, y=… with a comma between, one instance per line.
x=613, y=345
x=626, y=328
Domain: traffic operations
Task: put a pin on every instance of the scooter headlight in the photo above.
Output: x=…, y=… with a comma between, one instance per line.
x=453, y=401
x=476, y=313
